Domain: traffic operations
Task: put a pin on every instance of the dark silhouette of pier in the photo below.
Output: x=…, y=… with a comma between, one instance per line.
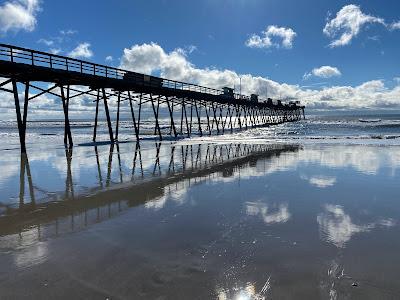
x=191, y=108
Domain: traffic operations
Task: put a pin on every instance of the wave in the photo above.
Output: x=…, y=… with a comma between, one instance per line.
x=370, y=120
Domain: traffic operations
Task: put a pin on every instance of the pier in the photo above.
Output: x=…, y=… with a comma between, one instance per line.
x=192, y=109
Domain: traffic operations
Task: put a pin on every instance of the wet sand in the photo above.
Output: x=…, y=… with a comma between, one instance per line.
x=216, y=221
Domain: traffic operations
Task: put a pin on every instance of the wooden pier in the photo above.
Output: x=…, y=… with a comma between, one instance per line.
x=192, y=109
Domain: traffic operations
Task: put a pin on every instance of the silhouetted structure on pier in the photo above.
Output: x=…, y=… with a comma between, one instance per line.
x=223, y=109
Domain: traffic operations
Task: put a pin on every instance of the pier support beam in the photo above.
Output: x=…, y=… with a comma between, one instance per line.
x=110, y=131
x=139, y=114
x=156, y=117
x=118, y=108
x=215, y=117
x=96, y=116
x=198, y=119
x=21, y=121
x=186, y=118
x=133, y=116
x=171, y=116
x=67, y=127
x=208, y=119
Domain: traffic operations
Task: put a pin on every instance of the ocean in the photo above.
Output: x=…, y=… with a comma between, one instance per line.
x=383, y=129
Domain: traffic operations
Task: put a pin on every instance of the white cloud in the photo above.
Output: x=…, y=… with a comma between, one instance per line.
x=151, y=58
x=323, y=72
x=273, y=36
x=18, y=15
x=46, y=42
x=145, y=58
x=347, y=24
x=81, y=51
x=56, y=43
x=68, y=32
x=55, y=51
x=109, y=58
x=191, y=48
x=395, y=25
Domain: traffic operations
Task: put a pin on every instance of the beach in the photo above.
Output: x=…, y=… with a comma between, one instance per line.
x=289, y=212
x=179, y=150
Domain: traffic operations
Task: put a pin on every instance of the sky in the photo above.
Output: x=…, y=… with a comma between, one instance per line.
x=327, y=54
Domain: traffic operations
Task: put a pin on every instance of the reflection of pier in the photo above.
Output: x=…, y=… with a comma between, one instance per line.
x=190, y=108
x=186, y=163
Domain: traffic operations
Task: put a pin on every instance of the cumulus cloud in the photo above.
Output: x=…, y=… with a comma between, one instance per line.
x=18, y=15
x=153, y=59
x=273, y=36
x=81, y=51
x=109, y=58
x=323, y=72
x=347, y=25
x=395, y=25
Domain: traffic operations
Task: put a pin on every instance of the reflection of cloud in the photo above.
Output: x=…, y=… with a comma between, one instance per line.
x=275, y=214
x=156, y=203
x=30, y=252
x=320, y=181
x=176, y=192
x=31, y=256
x=365, y=159
x=338, y=227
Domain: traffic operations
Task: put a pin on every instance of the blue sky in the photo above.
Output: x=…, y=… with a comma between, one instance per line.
x=215, y=34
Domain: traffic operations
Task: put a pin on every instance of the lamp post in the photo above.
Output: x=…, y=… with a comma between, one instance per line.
x=240, y=86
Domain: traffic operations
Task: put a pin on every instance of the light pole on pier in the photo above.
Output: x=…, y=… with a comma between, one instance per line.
x=240, y=86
